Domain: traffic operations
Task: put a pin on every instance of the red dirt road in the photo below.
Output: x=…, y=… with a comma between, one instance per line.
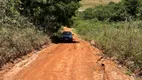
x=70, y=61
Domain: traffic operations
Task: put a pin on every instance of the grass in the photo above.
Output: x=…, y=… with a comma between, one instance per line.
x=92, y=3
x=121, y=40
x=17, y=35
x=16, y=42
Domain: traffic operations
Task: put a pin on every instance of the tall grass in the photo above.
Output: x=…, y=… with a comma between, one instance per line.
x=17, y=35
x=16, y=42
x=121, y=40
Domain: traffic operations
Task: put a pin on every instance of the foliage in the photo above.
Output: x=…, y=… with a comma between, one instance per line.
x=131, y=6
x=117, y=29
x=17, y=35
x=124, y=10
x=121, y=40
x=48, y=14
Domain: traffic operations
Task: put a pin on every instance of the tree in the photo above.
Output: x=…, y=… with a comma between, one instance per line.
x=131, y=6
x=50, y=14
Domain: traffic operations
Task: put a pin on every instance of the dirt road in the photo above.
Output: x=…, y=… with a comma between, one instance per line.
x=70, y=61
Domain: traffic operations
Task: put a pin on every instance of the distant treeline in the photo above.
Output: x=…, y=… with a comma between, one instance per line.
x=122, y=11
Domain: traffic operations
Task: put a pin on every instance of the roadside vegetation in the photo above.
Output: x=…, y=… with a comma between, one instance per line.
x=17, y=35
x=116, y=28
x=26, y=25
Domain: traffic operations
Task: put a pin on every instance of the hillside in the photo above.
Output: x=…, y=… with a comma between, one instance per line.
x=116, y=29
x=92, y=3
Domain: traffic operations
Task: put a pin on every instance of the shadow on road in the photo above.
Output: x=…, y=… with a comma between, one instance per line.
x=70, y=42
x=57, y=40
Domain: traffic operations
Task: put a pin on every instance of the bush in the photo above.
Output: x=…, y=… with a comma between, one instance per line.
x=124, y=10
x=17, y=35
x=18, y=42
x=121, y=40
x=117, y=29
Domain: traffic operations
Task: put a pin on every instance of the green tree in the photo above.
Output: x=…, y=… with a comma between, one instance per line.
x=124, y=10
x=50, y=14
x=131, y=6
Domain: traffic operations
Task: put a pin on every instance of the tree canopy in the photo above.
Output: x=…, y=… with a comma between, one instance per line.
x=50, y=14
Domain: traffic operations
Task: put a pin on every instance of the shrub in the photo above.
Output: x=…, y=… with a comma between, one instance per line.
x=17, y=35
x=124, y=10
x=121, y=40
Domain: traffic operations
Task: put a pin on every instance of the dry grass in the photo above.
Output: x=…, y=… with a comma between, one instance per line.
x=93, y=3
x=122, y=41
x=17, y=35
